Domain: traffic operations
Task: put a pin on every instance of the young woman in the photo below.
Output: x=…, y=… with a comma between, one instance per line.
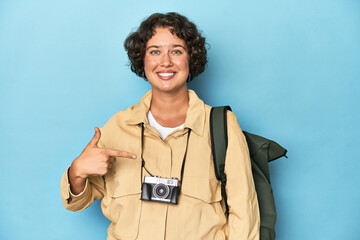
x=151, y=164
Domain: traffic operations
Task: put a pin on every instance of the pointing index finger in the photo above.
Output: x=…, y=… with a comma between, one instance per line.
x=118, y=153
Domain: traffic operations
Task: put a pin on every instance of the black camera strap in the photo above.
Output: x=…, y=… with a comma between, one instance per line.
x=183, y=163
x=142, y=150
x=143, y=161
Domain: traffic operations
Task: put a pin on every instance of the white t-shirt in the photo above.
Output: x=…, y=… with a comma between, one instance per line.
x=164, y=131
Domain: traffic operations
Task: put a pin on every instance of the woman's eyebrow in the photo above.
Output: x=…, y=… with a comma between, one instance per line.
x=153, y=46
x=178, y=45
x=173, y=45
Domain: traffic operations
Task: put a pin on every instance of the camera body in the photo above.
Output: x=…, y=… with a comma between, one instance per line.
x=159, y=189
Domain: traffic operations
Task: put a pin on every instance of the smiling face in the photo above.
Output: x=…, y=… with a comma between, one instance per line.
x=166, y=61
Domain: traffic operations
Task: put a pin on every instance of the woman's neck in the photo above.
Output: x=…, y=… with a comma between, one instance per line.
x=169, y=109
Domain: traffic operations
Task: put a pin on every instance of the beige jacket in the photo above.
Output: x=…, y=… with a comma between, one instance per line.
x=198, y=214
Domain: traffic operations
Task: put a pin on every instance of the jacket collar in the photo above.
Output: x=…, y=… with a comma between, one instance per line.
x=195, y=116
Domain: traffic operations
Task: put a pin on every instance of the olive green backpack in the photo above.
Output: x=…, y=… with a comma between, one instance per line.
x=262, y=151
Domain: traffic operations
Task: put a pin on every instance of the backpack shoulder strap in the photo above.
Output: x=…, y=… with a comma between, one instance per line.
x=262, y=151
x=219, y=141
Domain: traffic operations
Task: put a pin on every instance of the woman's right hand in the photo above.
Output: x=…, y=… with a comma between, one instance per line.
x=93, y=161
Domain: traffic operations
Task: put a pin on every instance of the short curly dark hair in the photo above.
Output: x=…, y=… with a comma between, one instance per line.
x=135, y=43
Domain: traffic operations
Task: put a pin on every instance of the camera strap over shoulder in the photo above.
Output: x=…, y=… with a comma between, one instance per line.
x=143, y=161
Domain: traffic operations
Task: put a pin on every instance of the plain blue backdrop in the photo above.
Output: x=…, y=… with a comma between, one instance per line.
x=289, y=69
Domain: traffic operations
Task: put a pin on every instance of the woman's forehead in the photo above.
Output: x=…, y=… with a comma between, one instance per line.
x=164, y=37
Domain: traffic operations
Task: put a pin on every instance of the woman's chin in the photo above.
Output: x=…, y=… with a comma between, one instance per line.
x=168, y=88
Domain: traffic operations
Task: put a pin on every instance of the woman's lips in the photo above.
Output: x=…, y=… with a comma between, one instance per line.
x=166, y=75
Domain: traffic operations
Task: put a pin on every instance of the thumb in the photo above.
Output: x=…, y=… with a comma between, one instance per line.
x=94, y=141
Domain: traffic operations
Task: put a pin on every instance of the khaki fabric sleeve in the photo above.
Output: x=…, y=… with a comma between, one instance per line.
x=244, y=218
x=94, y=190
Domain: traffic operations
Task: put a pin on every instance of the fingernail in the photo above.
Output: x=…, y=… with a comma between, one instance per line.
x=133, y=156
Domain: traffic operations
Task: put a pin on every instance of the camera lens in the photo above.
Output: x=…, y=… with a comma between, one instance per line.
x=161, y=190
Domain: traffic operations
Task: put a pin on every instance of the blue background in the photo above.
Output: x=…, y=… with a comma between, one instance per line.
x=289, y=69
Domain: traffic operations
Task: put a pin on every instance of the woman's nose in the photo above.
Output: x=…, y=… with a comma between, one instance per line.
x=166, y=60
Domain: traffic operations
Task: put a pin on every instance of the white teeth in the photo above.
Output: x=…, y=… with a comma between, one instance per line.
x=165, y=74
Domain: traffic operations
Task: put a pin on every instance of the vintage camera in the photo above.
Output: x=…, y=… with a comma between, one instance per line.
x=159, y=189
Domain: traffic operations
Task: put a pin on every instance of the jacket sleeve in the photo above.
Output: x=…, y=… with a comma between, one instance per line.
x=94, y=190
x=244, y=218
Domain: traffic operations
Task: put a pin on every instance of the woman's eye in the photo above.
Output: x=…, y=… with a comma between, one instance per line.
x=155, y=52
x=176, y=52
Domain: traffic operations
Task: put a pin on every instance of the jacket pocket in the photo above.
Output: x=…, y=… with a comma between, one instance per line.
x=122, y=205
x=124, y=178
x=203, y=216
x=205, y=189
x=119, y=186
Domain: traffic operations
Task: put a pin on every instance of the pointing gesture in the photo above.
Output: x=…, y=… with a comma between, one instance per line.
x=113, y=153
x=93, y=161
